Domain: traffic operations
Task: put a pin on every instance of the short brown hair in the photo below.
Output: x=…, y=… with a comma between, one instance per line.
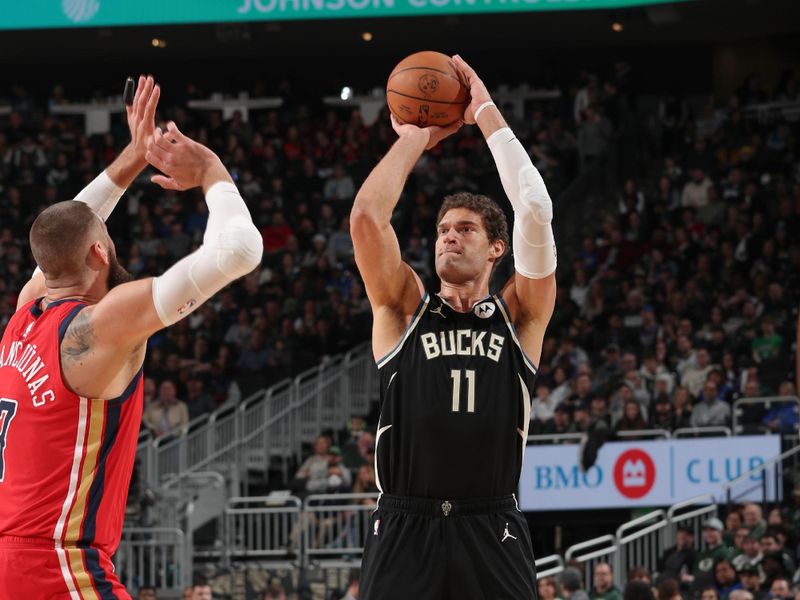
x=494, y=219
x=59, y=237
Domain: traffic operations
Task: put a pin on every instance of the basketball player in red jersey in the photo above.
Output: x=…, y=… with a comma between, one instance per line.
x=71, y=363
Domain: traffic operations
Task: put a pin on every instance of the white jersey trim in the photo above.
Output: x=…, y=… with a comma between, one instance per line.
x=73, y=485
x=381, y=431
x=503, y=311
x=423, y=304
x=526, y=416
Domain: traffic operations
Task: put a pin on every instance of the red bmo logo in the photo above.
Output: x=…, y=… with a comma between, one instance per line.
x=634, y=473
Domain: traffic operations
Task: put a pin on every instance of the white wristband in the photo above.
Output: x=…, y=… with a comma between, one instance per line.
x=481, y=107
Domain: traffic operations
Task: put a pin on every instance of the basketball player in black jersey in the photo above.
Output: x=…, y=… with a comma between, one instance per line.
x=456, y=371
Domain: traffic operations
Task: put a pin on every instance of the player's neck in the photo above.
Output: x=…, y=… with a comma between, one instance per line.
x=80, y=290
x=462, y=297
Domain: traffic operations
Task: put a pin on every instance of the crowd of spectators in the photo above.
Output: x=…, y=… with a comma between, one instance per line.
x=679, y=298
x=748, y=557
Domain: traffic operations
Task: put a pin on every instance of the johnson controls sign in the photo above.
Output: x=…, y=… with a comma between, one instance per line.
x=39, y=14
x=653, y=473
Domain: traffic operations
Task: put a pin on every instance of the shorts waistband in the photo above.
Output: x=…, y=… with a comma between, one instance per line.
x=442, y=507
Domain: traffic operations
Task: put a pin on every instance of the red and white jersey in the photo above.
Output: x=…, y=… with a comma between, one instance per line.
x=65, y=460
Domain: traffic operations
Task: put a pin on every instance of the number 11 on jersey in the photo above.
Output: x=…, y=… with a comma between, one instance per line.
x=455, y=374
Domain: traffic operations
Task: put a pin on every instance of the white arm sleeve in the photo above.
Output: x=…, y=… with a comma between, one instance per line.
x=533, y=242
x=232, y=247
x=101, y=195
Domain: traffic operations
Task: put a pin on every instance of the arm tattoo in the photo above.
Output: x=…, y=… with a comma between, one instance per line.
x=79, y=337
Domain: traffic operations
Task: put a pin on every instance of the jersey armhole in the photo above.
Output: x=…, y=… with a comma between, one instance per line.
x=507, y=317
x=62, y=331
x=423, y=303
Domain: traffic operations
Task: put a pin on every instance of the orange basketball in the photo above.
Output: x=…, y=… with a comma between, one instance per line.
x=425, y=89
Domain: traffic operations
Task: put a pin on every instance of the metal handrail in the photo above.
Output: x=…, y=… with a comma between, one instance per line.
x=572, y=550
x=647, y=433
x=622, y=536
x=555, y=437
x=672, y=510
x=542, y=568
x=727, y=487
x=241, y=503
x=689, y=431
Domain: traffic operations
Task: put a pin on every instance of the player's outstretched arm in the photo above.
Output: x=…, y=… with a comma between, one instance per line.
x=531, y=293
x=393, y=289
x=106, y=336
x=104, y=191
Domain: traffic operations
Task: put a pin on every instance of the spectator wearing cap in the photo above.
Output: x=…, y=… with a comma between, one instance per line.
x=571, y=584
x=678, y=561
x=710, y=411
x=725, y=578
x=604, y=588
x=751, y=553
x=750, y=577
x=339, y=478
x=715, y=551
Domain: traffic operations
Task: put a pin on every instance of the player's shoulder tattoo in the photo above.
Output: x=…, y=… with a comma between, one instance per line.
x=78, y=337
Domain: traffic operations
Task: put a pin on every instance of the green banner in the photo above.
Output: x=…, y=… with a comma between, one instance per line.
x=45, y=14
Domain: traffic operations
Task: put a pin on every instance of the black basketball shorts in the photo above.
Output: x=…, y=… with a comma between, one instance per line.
x=425, y=549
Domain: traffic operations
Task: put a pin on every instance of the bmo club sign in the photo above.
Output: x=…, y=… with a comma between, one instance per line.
x=647, y=473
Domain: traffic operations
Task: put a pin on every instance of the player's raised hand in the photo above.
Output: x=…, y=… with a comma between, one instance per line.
x=477, y=89
x=184, y=163
x=141, y=114
x=432, y=134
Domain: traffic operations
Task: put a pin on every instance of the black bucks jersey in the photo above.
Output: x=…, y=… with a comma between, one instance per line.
x=455, y=404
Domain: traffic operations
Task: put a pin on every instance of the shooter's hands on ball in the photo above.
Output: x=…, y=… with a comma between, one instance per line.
x=431, y=134
x=184, y=163
x=477, y=89
x=141, y=115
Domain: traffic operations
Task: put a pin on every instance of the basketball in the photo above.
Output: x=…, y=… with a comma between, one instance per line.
x=426, y=89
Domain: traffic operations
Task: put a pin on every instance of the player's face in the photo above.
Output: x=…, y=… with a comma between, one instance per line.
x=463, y=250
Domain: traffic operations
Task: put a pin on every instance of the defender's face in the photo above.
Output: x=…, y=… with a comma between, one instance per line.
x=463, y=251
